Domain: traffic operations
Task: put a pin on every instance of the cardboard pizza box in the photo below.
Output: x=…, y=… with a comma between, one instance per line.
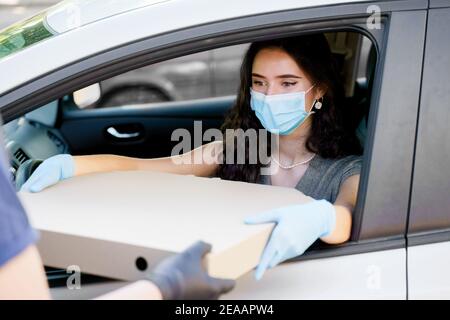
x=120, y=224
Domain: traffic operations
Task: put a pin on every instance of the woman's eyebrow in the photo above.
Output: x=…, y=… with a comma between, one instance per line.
x=289, y=76
x=280, y=76
x=257, y=75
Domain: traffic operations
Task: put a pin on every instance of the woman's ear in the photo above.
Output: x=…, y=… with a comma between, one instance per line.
x=320, y=92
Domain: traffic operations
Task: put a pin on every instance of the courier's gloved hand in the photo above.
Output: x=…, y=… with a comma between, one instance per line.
x=297, y=228
x=184, y=277
x=50, y=171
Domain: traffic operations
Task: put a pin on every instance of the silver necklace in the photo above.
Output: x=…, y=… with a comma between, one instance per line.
x=293, y=165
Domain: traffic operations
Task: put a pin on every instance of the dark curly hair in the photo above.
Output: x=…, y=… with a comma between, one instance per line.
x=330, y=137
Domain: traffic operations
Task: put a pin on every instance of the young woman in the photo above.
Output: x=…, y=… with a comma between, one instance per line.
x=291, y=88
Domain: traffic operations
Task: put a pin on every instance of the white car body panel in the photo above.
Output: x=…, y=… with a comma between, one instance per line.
x=428, y=271
x=374, y=275
x=131, y=26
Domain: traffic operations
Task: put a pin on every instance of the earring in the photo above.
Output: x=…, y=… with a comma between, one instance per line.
x=318, y=104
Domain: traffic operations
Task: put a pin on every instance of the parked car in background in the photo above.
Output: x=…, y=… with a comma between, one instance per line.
x=202, y=75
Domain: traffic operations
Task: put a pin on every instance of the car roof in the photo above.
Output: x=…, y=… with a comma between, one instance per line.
x=71, y=14
x=97, y=33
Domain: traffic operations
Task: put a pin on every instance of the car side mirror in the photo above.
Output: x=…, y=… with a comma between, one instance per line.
x=86, y=97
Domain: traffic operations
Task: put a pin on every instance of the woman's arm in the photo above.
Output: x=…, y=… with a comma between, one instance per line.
x=202, y=161
x=344, y=206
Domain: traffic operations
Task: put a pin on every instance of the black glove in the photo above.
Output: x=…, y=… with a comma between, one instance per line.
x=184, y=277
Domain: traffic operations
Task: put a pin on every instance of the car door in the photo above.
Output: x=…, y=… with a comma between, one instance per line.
x=429, y=222
x=373, y=263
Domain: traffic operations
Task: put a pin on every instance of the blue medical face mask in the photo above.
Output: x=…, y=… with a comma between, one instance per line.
x=281, y=113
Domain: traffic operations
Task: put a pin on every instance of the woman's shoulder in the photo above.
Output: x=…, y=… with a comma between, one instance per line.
x=351, y=160
x=342, y=167
x=342, y=161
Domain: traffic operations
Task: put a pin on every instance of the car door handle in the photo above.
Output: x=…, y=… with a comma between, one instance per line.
x=119, y=135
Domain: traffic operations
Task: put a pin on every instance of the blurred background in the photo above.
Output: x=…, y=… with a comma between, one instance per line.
x=14, y=10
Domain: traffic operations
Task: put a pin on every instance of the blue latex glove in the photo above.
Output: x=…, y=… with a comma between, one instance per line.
x=50, y=172
x=297, y=228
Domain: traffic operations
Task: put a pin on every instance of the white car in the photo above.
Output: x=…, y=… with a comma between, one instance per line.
x=395, y=60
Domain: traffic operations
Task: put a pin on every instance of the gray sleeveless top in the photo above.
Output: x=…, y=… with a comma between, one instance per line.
x=323, y=177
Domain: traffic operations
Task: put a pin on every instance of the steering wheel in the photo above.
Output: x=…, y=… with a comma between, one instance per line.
x=25, y=171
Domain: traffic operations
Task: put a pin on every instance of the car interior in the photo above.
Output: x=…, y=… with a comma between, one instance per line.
x=72, y=124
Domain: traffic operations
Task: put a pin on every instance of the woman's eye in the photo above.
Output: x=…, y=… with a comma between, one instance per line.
x=258, y=83
x=288, y=84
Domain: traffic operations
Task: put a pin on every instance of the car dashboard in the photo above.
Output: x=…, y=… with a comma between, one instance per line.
x=34, y=136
